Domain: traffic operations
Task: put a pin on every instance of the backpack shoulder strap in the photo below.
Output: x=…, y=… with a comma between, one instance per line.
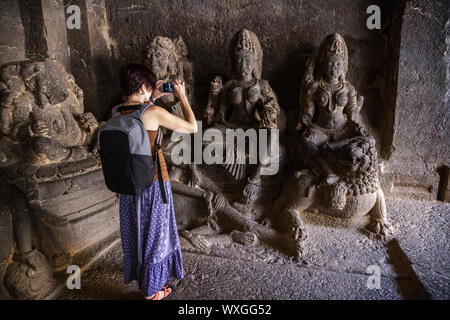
x=158, y=165
x=143, y=108
x=159, y=136
x=140, y=109
x=114, y=109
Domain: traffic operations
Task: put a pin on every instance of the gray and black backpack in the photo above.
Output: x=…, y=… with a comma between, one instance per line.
x=125, y=152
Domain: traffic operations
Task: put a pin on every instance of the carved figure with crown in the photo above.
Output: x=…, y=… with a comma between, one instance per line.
x=341, y=175
x=245, y=101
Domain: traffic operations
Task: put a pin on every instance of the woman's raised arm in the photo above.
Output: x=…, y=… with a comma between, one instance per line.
x=158, y=116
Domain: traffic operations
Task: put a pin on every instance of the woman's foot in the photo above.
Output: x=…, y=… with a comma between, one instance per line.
x=161, y=294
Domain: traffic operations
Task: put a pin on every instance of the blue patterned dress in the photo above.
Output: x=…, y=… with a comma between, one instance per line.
x=160, y=245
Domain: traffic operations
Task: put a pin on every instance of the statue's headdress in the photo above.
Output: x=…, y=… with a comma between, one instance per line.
x=246, y=41
x=335, y=45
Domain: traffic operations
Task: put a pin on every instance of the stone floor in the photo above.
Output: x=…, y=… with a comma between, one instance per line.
x=414, y=264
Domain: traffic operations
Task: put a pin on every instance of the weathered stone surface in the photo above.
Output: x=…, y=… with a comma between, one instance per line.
x=340, y=175
x=42, y=107
x=189, y=213
x=58, y=187
x=47, y=172
x=96, y=224
x=423, y=232
x=69, y=168
x=12, y=42
x=56, y=30
x=221, y=278
x=421, y=98
x=73, y=213
x=410, y=180
x=91, y=58
x=69, y=203
x=42, y=111
x=421, y=128
x=6, y=234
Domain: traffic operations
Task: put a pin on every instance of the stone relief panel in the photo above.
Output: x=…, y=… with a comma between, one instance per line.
x=52, y=186
x=335, y=157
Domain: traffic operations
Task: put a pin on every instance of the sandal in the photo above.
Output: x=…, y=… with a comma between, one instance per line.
x=162, y=294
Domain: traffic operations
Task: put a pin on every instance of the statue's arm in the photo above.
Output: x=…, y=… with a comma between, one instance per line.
x=352, y=109
x=309, y=108
x=308, y=101
x=215, y=89
x=307, y=91
x=269, y=97
x=223, y=107
x=268, y=109
x=339, y=144
x=76, y=108
x=181, y=188
x=187, y=68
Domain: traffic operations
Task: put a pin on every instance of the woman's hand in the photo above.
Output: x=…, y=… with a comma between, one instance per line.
x=156, y=94
x=179, y=89
x=160, y=116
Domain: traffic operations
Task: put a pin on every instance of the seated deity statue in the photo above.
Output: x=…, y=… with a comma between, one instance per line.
x=341, y=174
x=330, y=105
x=244, y=102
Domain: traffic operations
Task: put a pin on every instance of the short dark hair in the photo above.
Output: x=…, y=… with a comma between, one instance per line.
x=133, y=75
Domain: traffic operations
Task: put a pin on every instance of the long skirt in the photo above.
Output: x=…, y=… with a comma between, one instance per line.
x=157, y=257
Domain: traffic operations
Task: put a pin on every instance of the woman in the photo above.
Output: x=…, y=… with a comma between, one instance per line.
x=160, y=242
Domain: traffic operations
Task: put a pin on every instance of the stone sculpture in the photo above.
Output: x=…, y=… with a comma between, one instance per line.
x=341, y=178
x=46, y=109
x=245, y=102
x=47, y=163
x=167, y=59
x=224, y=222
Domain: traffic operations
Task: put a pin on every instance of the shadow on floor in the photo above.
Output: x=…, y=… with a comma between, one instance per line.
x=408, y=283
